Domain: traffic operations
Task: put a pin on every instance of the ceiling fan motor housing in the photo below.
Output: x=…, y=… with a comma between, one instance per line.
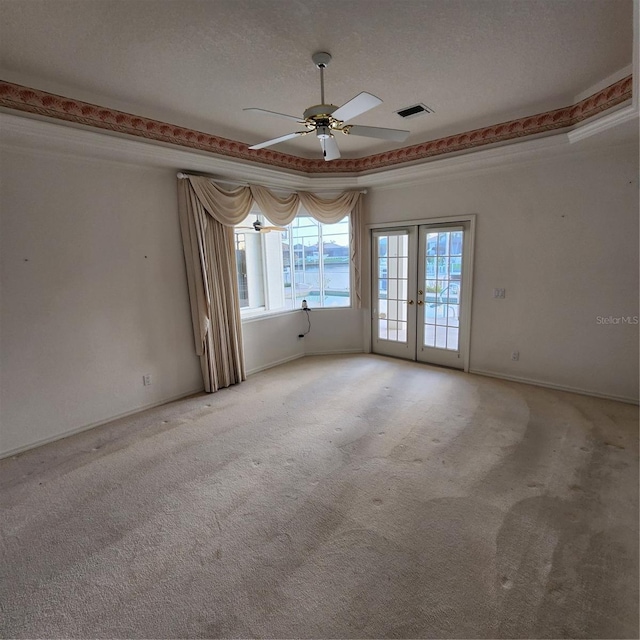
x=319, y=111
x=318, y=119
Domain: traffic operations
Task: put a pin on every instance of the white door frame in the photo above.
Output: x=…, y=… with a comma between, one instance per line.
x=468, y=260
x=399, y=349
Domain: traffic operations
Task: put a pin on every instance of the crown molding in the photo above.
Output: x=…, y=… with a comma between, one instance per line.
x=608, y=121
x=43, y=136
x=42, y=104
x=472, y=163
x=610, y=80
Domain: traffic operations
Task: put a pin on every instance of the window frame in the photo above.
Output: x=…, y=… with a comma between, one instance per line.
x=251, y=314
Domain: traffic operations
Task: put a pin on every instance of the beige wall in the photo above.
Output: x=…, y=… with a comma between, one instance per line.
x=84, y=313
x=334, y=331
x=274, y=339
x=561, y=236
x=271, y=340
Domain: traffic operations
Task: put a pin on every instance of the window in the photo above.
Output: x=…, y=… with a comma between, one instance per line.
x=308, y=261
x=241, y=262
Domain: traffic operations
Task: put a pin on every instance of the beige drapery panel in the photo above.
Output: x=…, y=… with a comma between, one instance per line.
x=208, y=214
x=209, y=251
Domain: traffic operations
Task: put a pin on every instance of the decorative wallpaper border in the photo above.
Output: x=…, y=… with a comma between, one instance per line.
x=20, y=98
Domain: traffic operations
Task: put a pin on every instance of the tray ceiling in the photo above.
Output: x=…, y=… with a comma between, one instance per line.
x=198, y=63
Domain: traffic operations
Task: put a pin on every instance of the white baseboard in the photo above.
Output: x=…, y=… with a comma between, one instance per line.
x=337, y=352
x=275, y=363
x=551, y=385
x=71, y=432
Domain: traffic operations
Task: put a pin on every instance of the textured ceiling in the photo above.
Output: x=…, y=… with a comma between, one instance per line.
x=198, y=63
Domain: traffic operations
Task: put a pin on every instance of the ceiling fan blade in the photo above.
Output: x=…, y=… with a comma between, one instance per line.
x=262, y=229
x=330, y=149
x=361, y=103
x=274, y=114
x=270, y=143
x=398, y=135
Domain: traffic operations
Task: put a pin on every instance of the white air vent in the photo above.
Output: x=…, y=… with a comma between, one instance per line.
x=414, y=110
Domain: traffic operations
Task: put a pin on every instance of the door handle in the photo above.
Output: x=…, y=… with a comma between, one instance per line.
x=420, y=302
x=410, y=301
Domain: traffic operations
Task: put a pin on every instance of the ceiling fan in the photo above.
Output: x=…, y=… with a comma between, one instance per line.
x=260, y=228
x=326, y=119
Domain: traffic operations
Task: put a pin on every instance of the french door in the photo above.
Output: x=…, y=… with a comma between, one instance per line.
x=419, y=284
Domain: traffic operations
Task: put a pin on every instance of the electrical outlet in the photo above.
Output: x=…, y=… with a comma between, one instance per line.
x=515, y=355
x=146, y=379
x=499, y=293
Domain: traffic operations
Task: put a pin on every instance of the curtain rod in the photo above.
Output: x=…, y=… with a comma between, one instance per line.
x=183, y=176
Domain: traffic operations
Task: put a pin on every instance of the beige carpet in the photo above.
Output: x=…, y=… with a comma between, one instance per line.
x=332, y=497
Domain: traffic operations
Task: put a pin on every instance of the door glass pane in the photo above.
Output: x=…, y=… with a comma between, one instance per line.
x=392, y=312
x=403, y=266
x=430, y=335
x=443, y=244
x=456, y=243
x=402, y=311
x=452, y=338
x=402, y=289
x=393, y=275
x=431, y=267
x=442, y=287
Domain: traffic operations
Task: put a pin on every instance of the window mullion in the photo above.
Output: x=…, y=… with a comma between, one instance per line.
x=265, y=272
x=320, y=265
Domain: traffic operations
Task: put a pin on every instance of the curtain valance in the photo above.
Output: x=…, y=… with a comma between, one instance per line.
x=232, y=206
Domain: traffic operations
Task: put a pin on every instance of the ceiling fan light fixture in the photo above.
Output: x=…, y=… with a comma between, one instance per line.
x=324, y=119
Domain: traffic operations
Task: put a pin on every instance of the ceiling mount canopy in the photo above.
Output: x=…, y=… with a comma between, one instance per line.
x=326, y=119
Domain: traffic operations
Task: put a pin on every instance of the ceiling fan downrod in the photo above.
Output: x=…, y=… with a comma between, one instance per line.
x=321, y=59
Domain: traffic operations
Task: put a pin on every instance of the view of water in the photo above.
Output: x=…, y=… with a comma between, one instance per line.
x=336, y=277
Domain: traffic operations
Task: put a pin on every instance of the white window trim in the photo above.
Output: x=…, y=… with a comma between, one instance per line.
x=252, y=314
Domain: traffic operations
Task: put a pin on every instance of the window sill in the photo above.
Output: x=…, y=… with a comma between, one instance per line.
x=253, y=317
x=261, y=315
